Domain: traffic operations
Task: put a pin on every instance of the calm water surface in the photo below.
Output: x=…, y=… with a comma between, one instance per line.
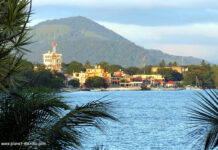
x=151, y=120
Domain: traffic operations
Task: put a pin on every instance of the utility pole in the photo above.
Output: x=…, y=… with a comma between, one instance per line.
x=143, y=60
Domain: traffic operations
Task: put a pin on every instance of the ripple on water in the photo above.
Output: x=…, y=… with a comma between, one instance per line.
x=151, y=120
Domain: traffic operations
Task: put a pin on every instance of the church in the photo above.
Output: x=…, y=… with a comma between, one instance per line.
x=52, y=60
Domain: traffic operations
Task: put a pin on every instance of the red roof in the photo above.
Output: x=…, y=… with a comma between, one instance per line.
x=170, y=82
x=159, y=80
x=138, y=77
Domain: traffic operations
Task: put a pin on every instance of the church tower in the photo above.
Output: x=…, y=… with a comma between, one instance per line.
x=52, y=60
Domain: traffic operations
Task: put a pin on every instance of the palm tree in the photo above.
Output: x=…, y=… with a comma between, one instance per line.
x=204, y=120
x=36, y=115
x=14, y=17
x=43, y=117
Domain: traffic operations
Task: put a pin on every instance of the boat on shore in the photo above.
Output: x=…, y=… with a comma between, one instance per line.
x=85, y=89
x=70, y=89
x=124, y=89
x=189, y=87
x=196, y=87
x=165, y=89
x=98, y=89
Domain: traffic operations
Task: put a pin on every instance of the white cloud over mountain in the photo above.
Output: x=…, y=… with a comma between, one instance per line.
x=160, y=32
x=162, y=37
x=179, y=27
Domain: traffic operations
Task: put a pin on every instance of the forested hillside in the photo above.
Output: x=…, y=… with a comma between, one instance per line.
x=82, y=39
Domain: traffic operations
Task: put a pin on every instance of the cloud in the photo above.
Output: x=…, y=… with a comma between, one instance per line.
x=131, y=3
x=164, y=37
x=209, y=53
x=200, y=51
x=36, y=21
x=162, y=32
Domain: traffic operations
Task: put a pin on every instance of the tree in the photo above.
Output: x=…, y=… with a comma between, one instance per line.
x=215, y=75
x=132, y=70
x=170, y=75
x=175, y=63
x=146, y=69
x=88, y=64
x=75, y=66
x=203, y=63
x=202, y=73
x=36, y=115
x=64, y=67
x=204, y=118
x=114, y=68
x=43, y=79
x=170, y=64
x=162, y=63
x=39, y=67
x=26, y=65
x=13, y=36
x=74, y=83
x=104, y=65
x=96, y=82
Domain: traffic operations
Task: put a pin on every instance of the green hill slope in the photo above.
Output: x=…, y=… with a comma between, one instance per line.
x=81, y=39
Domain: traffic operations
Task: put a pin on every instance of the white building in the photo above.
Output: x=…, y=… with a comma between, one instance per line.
x=52, y=60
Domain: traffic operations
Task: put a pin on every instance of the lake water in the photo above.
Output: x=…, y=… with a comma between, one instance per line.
x=151, y=120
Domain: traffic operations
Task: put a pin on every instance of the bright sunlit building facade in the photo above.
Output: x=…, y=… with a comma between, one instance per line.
x=52, y=60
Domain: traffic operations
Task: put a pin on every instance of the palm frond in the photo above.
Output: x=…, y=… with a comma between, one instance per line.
x=27, y=111
x=43, y=116
x=100, y=147
x=68, y=128
x=204, y=119
x=14, y=16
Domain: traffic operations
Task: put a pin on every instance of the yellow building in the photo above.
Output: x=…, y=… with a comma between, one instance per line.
x=52, y=60
x=97, y=71
x=81, y=76
x=152, y=76
x=178, y=69
x=91, y=72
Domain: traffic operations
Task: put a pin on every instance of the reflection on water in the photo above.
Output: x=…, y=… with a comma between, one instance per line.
x=153, y=120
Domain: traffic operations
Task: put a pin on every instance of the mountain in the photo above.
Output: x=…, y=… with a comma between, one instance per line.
x=81, y=39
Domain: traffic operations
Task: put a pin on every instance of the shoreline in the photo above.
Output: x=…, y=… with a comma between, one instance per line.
x=120, y=89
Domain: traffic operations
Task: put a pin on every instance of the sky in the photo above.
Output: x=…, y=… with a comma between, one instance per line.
x=178, y=27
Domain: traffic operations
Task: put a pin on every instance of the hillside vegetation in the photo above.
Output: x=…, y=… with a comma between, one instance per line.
x=81, y=39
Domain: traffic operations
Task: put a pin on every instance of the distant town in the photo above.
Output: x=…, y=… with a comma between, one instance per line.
x=162, y=77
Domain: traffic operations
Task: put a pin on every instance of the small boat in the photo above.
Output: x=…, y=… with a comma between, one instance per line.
x=85, y=89
x=189, y=87
x=196, y=87
x=166, y=89
x=70, y=89
x=124, y=89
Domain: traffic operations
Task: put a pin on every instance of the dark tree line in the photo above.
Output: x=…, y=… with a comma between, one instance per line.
x=96, y=82
x=205, y=75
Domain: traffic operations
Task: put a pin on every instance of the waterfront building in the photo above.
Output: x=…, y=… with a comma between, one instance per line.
x=149, y=76
x=175, y=68
x=119, y=73
x=139, y=79
x=52, y=60
x=116, y=78
x=81, y=76
x=97, y=71
x=171, y=84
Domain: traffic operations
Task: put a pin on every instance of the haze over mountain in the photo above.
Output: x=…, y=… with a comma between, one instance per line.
x=81, y=39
